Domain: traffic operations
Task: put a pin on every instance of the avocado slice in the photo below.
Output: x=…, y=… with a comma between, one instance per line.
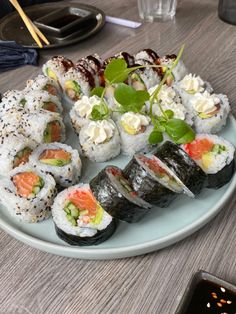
x=206, y=160
x=98, y=218
x=47, y=134
x=55, y=162
x=51, y=74
x=203, y=115
x=74, y=86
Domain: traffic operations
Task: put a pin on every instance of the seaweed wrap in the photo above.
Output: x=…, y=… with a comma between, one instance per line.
x=28, y=193
x=60, y=160
x=148, y=185
x=185, y=169
x=117, y=197
x=215, y=156
x=79, y=219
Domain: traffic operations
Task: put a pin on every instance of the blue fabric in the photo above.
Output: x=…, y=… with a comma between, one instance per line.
x=13, y=55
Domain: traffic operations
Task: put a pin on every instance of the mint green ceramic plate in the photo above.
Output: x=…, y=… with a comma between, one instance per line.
x=159, y=229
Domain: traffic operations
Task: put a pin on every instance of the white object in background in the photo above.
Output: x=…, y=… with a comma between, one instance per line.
x=123, y=22
x=149, y=10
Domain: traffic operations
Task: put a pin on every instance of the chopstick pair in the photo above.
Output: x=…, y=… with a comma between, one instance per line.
x=33, y=29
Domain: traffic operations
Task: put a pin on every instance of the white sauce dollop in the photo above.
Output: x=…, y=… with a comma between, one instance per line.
x=135, y=120
x=192, y=83
x=205, y=102
x=99, y=131
x=85, y=105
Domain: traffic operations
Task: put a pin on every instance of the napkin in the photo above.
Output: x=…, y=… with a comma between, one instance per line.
x=13, y=55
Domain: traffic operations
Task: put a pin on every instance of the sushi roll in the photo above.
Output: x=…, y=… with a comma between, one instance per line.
x=100, y=140
x=28, y=193
x=144, y=78
x=150, y=179
x=93, y=64
x=146, y=54
x=129, y=59
x=79, y=218
x=13, y=99
x=210, y=112
x=56, y=67
x=169, y=99
x=43, y=83
x=215, y=156
x=60, y=160
x=191, y=176
x=42, y=100
x=80, y=113
x=116, y=196
x=77, y=82
x=134, y=129
x=178, y=72
x=15, y=151
x=44, y=126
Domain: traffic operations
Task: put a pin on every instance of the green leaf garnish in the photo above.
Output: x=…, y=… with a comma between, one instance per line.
x=169, y=114
x=97, y=91
x=179, y=131
x=129, y=98
x=100, y=112
x=155, y=137
x=116, y=71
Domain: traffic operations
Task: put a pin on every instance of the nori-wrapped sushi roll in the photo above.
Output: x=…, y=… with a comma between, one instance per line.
x=145, y=181
x=79, y=219
x=117, y=197
x=215, y=156
x=179, y=162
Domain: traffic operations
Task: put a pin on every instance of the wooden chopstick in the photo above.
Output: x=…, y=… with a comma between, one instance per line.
x=26, y=21
x=39, y=33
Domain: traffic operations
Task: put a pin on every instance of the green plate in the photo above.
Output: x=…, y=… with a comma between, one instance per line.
x=157, y=230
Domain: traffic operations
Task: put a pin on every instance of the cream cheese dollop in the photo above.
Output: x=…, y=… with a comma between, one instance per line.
x=135, y=121
x=99, y=131
x=169, y=101
x=205, y=102
x=84, y=106
x=192, y=83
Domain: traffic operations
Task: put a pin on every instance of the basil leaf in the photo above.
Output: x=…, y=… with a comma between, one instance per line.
x=129, y=98
x=97, y=91
x=155, y=137
x=115, y=71
x=179, y=131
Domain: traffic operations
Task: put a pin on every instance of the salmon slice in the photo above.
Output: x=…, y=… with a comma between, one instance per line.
x=51, y=89
x=198, y=147
x=25, y=182
x=55, y=131
x=84, y=200
x=50, y=106
x=22, y=157
x=55, y=154
x=152, y=164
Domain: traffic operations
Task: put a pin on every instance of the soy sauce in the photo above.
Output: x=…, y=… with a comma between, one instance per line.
x=209, y=298
x=64, y=20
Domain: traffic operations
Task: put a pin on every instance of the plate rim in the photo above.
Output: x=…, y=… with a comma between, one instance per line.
x=97, y=253
x=96, y=29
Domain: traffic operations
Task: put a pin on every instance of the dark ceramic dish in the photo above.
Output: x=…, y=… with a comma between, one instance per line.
x=83, y=21
x=207, y=294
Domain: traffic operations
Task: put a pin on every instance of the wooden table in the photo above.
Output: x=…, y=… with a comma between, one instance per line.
x=35, y=282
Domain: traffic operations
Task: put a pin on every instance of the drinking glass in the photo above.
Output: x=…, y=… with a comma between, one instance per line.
x=149, y=10
x=227, y=11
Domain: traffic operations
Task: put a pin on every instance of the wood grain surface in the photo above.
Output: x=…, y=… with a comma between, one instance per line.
x=35, y=282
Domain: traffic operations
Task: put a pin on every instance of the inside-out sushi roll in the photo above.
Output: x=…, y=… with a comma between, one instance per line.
x=36, y=100
x=150, y=178
x=11, y=122
x=77, y=82
x=146, y=54
x=44, y=126
x=210, y=112
x=15, y=151
x=178, y=72
x=134, y=129
x=43, y=83
x=28, y=193
x=56, y=67
x=215, y=156
x=80, y=113
x=100, y=140
x=117, y=197
x=79, y=219
x=93, y=64
x=190, y=175
x=13, y=99
x=60, y=160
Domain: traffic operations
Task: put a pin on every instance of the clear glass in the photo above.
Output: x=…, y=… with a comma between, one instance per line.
x=149, y=10
x=227, y=11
